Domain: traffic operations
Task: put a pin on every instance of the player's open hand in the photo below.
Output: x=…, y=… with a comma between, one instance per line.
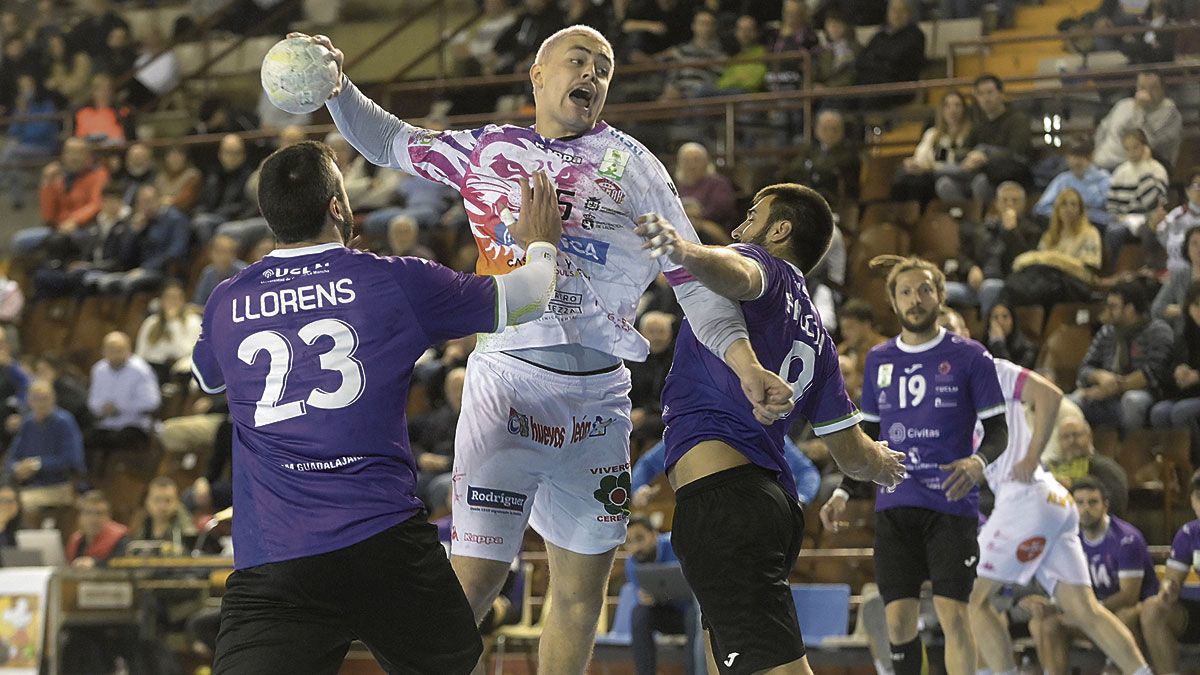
x=336, y=54
x=540, y=219
x=833, y=513
x=965, y=474
x=889, y=469
x=1023, y=471
x=662, y=239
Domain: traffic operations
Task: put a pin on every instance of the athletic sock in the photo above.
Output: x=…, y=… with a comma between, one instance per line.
x=883, y=667
x=907, y=658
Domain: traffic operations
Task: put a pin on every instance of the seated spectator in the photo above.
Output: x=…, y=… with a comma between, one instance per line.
x=859, y=335
x=1172, y=617
x=99, y=538
x=684, y=81
x=1148, y=110
x=69, y=197
x=746, y=72
x=218, y=116
x=1127, y=364
x=223, y=197
x=697, y=177
x=118, y=55
x=14, y=59
x=222, y=264
x=164, y=518
x=647, y=377
x=1122, y=575
x=14, y=384
x=896, y=53
x=29, y=140
x=472, y=50
x=73, y=263
x=1171, y=304
x=999, y=142
x=69, y=393
x=179, y=180
x=1171, y=228
x=940, y=151
x=795, y=34
x=1065, y=264
x=403, y=239
x=432, y=438
x=989, y=249
x=650, y=27
x=158, y=238
x=122, y=396
x=11, y=517
x=424, y=201
x=47, y=454
x=68, y=70
x=1077, y=458
x=646, y=545
x=1139, y=186
x=516, y=47
x=90, y=33
x=1005, y=339
x=1155, y=46
x=102, y=120
x=1091, y=182
x=212, y=427
x=830, y=165
x=834, y=59
x=138, y=169
x=166, y=337
x=367, y=186
x=1181, y=408
x=156, y=72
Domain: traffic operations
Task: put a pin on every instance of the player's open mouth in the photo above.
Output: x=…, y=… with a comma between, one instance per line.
x=582, y=97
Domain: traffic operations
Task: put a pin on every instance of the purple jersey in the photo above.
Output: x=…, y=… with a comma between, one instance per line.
x=703, y=399
x=1121, y=553
x=926, y=399
x=1185, y=555
x=314, y=348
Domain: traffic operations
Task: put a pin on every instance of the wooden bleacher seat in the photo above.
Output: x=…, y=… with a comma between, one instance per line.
x=1031, y=319
x=1131, y=258
x=136, y=308
x=1062, y=352
x=875, y=180
x=47, y=325
x=1071, y=314
x=935, y=238
x=96, y=316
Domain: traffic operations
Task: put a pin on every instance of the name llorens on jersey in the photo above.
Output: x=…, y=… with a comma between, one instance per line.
x=703, y=399
x=604, y=179
x=314, y=348
x=926, y=399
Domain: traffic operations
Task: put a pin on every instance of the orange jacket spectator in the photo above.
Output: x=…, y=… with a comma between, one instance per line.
x=74, y=198
x=103, y=124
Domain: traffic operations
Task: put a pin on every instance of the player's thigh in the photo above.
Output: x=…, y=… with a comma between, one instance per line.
x=1063, y=561
x=406, y=604
x=952, y=549
x=269, y=625
x=1017, y=541
x=584, y=492
x=900, y=556
x=737, y=536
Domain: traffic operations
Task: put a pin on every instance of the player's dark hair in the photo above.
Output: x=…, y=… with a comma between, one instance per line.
x=810, y=216
x=642, y=521
x=1089, y=483
x=1080, y=146
x=1133, y=292
x=989, y=77
x=294, y=188
x=1187, y=240
x=898, y=264
x=1138, y=134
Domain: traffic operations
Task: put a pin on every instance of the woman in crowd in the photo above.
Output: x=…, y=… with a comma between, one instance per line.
x=179, y=181
x=29, y=140
x=167, y=337
x=941, y=149
x=1065, y=264
x=1138, y=187
x=1005, y=339
x=1171, y=302
x=1181, y=409
x=68, y=70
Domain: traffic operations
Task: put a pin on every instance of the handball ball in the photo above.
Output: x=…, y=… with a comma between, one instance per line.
x=298, y=75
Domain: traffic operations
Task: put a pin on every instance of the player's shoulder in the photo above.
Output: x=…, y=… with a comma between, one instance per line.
x=624, y=142
x=965, y=345
x=884, y=349
x=1190, y=530
x=1127, y=533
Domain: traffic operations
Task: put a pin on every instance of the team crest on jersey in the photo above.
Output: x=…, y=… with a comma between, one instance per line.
x=884, y=377
x=611, y=189
x=944, y=368
x=614, y=163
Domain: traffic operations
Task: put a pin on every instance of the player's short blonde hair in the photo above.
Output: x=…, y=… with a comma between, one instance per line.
x=897, y=265
x=577, y=29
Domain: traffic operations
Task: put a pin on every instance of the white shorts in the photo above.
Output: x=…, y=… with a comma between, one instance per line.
x=540, y=448
x=1033, y=531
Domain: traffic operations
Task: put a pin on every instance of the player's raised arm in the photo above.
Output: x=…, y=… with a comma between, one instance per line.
x=721, y=269
x=384, y=139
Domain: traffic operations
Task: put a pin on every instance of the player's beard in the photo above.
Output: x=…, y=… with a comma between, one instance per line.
x=921, y=326
x=346, y=223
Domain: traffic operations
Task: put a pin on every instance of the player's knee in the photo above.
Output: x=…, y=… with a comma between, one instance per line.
x=1153, y=615
x=580, y=611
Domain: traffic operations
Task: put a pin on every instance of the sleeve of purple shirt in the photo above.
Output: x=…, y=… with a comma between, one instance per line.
x=985, y=386
x=205, y=366
x=447, y=304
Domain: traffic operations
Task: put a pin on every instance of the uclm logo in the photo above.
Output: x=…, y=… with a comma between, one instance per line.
x=307, y=270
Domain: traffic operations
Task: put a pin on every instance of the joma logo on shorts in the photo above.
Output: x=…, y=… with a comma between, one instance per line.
x=501, y=500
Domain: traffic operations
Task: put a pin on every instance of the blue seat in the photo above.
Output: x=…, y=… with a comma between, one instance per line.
x=823, y=610
x=622, y=628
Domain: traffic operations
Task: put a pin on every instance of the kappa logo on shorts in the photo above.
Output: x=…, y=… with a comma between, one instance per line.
x=613, y=493
x=1031, y=548
x=496, y=500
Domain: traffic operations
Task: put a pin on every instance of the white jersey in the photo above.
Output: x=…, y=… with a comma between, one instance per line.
x=1012, y=384
x=605, y=180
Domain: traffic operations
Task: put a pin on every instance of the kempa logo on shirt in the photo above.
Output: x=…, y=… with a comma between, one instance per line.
x=614, y=163
x=500, y=500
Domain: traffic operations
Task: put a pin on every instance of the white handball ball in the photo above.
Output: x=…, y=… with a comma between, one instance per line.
x=298, y=75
